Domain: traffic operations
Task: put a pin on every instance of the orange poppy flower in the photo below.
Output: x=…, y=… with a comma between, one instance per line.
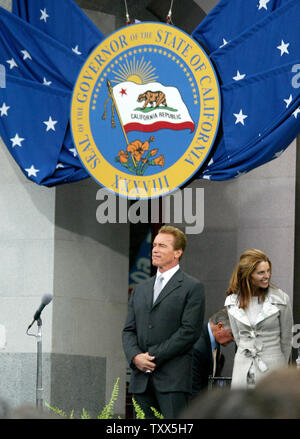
x=123, y=156
x=154, y=152
x=137, y=149
x=160, y=160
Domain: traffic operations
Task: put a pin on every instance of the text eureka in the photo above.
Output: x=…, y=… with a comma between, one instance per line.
x=205, y=129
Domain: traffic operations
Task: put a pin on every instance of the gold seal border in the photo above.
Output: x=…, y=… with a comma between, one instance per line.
x=116, y=44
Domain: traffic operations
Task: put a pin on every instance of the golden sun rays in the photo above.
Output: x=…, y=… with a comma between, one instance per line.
x=138, y=71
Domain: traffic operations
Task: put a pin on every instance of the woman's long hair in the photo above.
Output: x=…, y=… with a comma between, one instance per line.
x=240, y=282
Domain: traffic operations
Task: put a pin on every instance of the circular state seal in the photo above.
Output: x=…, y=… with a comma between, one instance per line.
x=145, y=110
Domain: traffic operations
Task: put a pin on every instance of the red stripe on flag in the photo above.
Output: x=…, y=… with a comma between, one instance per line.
x=136, y=126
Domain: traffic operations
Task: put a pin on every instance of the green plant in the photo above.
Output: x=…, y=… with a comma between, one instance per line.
x=156, y=413
x=139, y=414
x=57, y=411
x=108, y=410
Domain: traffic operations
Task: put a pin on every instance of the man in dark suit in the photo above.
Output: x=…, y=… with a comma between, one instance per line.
x=207, y=359
x=161, y=329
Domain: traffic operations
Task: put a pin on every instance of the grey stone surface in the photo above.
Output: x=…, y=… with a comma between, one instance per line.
x=18, y=378
x=296, y=279
x=69, y=381
x=76, y=220
x=6, y=4
x=105, y=22
x=209, y=255
x=26, y=255
x=277, y=193
x=51, y=242
x=90, y=283
x=207, y=5
x=78, y=382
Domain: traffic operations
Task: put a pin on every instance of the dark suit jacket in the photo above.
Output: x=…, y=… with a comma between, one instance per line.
x=168, y=330
x=202, y=365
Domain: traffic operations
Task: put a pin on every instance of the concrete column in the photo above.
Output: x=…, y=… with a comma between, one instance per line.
x=91, y=295
x=296, y=301
x=26, y=273
x=51, y=242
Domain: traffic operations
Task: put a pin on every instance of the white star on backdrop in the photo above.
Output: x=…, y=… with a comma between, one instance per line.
x=50, y=124
x=76, y=50
x=240, y=117
x=296, y=112
x=44, y=15
x=239, y=174
x=45, y=82
x=224, y=43
x=73, y=151
x=12, y=63
x=278, y=154
x=283, y=48
x=16, y=141
x=263, y=4
x=26, y=55
x=288, y=100
x=4, y=109
x=32, y=171
x=239, y=76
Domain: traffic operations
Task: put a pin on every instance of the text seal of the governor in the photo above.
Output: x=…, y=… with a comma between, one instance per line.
x=145, y=110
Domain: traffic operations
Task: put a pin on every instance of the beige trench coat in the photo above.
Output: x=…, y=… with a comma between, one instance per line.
x=268, y=343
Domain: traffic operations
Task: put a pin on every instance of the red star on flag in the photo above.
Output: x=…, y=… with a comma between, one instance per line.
x=123, y=92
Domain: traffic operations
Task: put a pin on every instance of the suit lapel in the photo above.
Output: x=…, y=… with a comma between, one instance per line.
x=233, y=308
x=268, y=309
x=148, y=291
x=172, y=285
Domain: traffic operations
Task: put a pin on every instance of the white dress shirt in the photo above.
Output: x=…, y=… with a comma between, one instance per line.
x=167, y=274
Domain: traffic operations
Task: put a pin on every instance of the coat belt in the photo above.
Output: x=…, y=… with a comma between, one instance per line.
x=253, y=352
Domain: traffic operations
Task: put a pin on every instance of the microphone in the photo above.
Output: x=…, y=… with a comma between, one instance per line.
x=45, y=300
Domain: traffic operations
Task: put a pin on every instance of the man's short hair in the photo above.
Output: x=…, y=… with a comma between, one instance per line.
x=180, y=240
x=220, y=316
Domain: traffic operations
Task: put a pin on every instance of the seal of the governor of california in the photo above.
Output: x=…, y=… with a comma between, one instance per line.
x=145, y=110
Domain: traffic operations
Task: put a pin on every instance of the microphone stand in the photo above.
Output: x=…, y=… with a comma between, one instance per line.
x=39, y=388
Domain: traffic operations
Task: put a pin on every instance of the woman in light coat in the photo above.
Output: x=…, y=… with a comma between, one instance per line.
x=261, y=320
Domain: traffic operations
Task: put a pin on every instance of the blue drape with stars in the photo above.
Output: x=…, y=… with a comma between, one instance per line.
x=254, y=46
x=43, y=45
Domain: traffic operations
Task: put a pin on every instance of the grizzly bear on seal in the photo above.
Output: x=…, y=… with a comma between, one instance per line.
x=150, y=97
